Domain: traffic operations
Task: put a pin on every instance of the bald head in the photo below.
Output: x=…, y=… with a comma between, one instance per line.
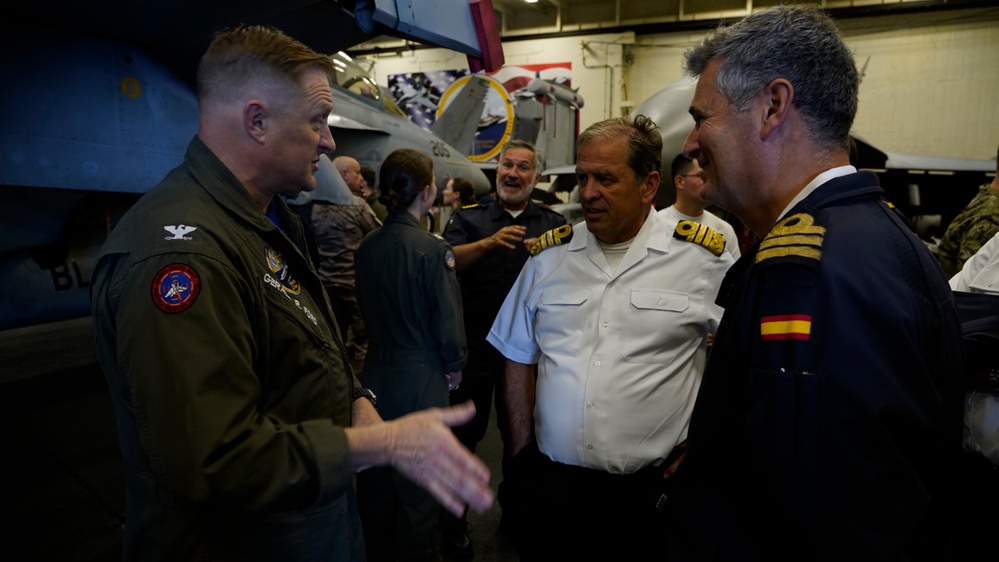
x=350, y=171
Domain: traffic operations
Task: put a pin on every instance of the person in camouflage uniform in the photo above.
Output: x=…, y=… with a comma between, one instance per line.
x=971, y=228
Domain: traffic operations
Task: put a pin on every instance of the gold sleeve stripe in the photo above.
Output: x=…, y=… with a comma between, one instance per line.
x=797, y=235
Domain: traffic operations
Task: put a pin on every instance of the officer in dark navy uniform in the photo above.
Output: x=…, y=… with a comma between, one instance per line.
x=828, y=423
x=491, y=245
x=411, y=304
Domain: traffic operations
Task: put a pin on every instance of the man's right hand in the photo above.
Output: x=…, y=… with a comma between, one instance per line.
x=508, y=237
x=422, y=447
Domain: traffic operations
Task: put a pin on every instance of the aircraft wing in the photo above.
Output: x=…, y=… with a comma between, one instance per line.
x=98, y=104
x=177, y=32
x=342, y=122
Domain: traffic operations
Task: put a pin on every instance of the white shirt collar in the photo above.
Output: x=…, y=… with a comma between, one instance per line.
x=815, y=183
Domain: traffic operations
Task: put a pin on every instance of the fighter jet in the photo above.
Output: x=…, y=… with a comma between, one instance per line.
x=98, y=104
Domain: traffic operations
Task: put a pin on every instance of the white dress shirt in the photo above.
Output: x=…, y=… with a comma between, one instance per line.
x=620, y=352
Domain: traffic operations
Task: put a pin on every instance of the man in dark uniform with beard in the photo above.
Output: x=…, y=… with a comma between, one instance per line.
x=491, y=245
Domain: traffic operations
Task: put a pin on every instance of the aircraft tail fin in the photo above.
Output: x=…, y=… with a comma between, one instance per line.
x=457, y=125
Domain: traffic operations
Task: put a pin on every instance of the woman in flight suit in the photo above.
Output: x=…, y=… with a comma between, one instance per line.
x=411, y=304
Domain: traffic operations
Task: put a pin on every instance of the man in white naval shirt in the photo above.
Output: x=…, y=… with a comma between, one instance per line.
x=688, y=181
x=615, y=316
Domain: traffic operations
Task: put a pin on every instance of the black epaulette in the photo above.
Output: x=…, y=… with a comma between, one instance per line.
x=554, y=237
x=695, y=232
x=797, y=237
x=898, y=213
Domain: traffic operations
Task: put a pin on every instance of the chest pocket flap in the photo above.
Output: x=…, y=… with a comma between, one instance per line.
x=567, y=296
x=650, y=299
x=560, y=314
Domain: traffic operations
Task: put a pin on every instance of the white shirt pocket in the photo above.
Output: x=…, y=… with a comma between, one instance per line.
x=655, y=326
x=561, y=316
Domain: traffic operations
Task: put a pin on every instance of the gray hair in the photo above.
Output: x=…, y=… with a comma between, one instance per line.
x=799, y=43
x=645, y=143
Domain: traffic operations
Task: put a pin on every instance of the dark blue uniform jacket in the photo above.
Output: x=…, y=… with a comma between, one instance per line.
x=828, y=424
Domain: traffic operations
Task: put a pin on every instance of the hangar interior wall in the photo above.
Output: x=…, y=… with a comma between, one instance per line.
x=930, y=86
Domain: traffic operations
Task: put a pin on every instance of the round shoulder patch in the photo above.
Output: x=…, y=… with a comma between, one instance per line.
x=449, y=258
x=175, y=288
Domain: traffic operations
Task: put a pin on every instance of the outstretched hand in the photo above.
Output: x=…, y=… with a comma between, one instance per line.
x=422, y=447
x=427, y=452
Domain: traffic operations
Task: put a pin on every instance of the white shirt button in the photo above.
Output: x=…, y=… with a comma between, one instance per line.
x=596, y=363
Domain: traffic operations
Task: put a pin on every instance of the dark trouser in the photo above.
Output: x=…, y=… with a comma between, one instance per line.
x=480, y=383
x=976, y=509
x=401, y=520
x=562, y=512
x=480, y=388
x=343, y=301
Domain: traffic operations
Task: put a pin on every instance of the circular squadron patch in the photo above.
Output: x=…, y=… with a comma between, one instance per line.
x=175, y=288
x=449, y=258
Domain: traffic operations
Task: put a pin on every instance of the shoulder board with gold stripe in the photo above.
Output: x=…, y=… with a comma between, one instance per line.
x=695, y=232
x=473, y=205
x=554, y=237
x=796, y=236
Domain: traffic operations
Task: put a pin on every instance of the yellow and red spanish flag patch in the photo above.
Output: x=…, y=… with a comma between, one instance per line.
x=786, y=327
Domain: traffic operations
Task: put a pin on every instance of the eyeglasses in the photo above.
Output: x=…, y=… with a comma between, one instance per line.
x=700, y=175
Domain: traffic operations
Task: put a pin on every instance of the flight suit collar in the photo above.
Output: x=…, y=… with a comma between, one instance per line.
x=402, y=217
x=222, y=186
